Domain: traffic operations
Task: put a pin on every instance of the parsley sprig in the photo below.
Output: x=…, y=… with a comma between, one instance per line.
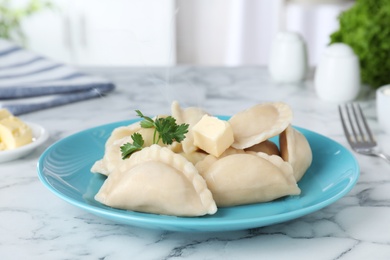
x=165, y=130
x=128, y=148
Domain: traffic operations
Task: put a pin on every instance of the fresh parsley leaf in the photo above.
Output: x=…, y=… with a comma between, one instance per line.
x=147, y=122
x=129, y=148
x=165, y=129
x=180, y=132
x=169, y=131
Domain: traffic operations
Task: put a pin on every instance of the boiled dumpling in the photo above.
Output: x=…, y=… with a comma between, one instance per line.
x=295, y=149
x=156, y=180
x=249, y=178
x=208, y=160
x=112, y=153
x=266, y=146
x=259, y=123
x=189, y=115
x=194, y=157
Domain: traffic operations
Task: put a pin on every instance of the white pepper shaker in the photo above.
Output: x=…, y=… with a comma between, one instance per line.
x=337, y=77
x=288, y=58
x=383, y=107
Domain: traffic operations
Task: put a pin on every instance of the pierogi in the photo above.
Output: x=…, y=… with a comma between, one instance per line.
x=259, y=123
x=157, y=180
x=112, y=157
x=266, y=146
x=296, y=150
x=182, y=180
x=112, y=154
x=249, y=178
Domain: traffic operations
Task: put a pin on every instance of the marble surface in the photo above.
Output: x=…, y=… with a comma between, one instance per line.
x=35, y=224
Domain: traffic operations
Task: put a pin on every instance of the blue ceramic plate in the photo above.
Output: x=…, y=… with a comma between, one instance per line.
x=64, y=168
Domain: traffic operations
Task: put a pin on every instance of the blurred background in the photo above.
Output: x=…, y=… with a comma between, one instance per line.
x=166, y=32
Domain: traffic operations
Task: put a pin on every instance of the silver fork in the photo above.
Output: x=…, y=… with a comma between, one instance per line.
x=358, y=133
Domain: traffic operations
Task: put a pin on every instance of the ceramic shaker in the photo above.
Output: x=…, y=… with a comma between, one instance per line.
x=288, y=58
x=383, y=107
x=337, y=77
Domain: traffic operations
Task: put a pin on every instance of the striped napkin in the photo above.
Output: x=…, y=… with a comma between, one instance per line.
x=29, y=82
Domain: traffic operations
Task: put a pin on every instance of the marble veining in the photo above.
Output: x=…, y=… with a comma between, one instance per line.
x=35, y=224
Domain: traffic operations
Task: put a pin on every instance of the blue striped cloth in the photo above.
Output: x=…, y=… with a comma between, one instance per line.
x=29, y=82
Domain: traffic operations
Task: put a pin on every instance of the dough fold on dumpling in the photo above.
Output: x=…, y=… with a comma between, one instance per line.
x=259, y=123
x=203, y=165
x=194, y=157
x=249, y=178
x=295, y=149
x=266, y=146
x=156, y=180
x=112, y=157
x=112, y=154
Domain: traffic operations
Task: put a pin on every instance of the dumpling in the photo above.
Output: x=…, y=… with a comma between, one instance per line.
x=156, y=180
x=194, y=157
x=266, y=146
x=295, y=149
x=208, y=160
x=113, y=156
x=112, y=153
x=258, y=123
x=190, y=116
x=249, y=178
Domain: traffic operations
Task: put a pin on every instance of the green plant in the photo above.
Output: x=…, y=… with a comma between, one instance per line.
x=11, y=18
x=366, y=28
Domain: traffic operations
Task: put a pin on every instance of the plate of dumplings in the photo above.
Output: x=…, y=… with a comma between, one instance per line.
x=248, y=170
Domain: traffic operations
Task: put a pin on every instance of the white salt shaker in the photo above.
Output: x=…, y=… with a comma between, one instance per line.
x=383, y=107
x=288, y=58
x=337, y=77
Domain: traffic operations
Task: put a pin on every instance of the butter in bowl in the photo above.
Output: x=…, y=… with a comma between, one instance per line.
x=18, y=138
x=13, y=131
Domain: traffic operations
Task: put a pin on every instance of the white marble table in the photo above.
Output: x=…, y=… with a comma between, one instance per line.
x=35, y=224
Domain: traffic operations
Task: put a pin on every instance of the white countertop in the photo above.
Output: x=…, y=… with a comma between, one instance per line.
x=36, y=224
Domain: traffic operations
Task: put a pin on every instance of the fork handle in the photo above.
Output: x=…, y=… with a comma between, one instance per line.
x=375, y=153
x=383, y=156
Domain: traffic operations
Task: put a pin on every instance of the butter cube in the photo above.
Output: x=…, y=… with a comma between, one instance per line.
x=213, y=135
x=14, y=133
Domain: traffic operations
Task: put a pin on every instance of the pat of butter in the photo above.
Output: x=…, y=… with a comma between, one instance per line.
x=14, y=133
x=4, y=113
x=213, y=135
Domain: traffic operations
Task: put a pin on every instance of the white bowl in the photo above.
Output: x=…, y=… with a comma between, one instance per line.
x=40, y=135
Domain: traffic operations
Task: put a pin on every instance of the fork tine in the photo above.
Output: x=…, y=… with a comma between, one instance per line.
x=347, y=134
x=367, y=144
x=358, y=121
x=367, y=128
x=351, y=123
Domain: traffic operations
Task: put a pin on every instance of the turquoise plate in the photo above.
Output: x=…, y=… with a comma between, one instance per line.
x=64, y=168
